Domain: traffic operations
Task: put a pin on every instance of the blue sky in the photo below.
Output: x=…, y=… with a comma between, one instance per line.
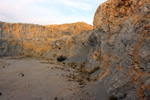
x=47, y=12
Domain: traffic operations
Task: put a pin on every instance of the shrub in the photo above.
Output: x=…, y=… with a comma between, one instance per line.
x=82, y=65
x=94, y=70
x=79, y=80
x=122, y=97
x=61, y=58
x=84, y=71
x=73, y=65
x=113, y=97
x=55, y=55
x=95, y=79
x=29, y=56
x=87, y=77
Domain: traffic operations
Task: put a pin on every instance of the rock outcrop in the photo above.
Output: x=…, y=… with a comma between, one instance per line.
x=119, y=45
x=114, y=12
x=124, y=48
x=37, y=40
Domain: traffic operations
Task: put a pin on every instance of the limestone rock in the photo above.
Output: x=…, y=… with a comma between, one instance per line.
x=37, y=40
x=115, y=12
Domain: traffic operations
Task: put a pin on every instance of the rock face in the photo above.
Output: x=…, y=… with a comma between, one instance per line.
x=119, y=45
x=123, y=43
x=73, y=29
x=36, y=40
x=113, y=12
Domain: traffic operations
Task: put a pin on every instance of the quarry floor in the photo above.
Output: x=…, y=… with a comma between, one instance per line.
x=38, y=79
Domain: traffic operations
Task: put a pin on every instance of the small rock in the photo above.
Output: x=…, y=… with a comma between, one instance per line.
x=68, y=70
x=80, y=83
x=61, y=68
x=82, y=86
x=86, y=93
x=22, y=74
x=0, y=94
x=74, y=94
x=56, y=98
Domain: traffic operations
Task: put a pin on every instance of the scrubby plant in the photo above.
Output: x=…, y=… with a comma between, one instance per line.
x=61, y=58
x=94, y=79
x=29, y=56
x=87, y=77
x=72, y=64
x=64, y=63
x=82, y=65
x=122, y=97
x=54, y=55
x=84, y=71
x=112, y=97
x=79, y=80
x=94, y=70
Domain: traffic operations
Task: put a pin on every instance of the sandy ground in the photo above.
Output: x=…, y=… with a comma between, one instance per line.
x=29, y=79
x=38, y=79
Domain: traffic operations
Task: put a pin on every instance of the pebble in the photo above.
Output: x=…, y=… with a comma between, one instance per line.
x=55, y=98
x=81, y=86
x=80, y=83
x=22, y=74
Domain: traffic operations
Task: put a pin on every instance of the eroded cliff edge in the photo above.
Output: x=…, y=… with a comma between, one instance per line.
x=38, y=41
x=119, y=45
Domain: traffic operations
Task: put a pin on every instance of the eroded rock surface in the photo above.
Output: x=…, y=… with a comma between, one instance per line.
x=124, y=46
x=37, y=40
x=114, y=12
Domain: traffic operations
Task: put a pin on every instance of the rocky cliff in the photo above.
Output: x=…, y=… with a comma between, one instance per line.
x=37, y=40
x=114, y=12
x=122, y=48
x=119, y=45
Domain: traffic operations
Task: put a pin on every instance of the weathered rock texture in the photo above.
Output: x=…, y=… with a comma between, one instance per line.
x=37, y=40
x=113, y=12
x=120, y=46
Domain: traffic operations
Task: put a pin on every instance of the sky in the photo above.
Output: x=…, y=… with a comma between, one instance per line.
x=48, y=12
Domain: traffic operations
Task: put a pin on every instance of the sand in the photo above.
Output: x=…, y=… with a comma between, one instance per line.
x=38, y=79
x=29, y=79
